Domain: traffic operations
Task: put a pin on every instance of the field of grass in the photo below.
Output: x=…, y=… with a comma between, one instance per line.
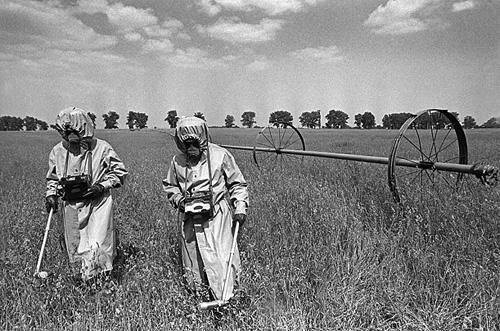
x=324, y=248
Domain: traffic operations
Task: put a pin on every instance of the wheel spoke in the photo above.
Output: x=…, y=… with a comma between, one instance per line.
x=411, y=142
x=444, y=139
x=433, y=145
x=447, y=146
x=443, y=177
x=419, y=143
x=286, y=143
x=279, y=137
x=408, y=173
x=292, y=143
x=271, y=136
x=271, y=142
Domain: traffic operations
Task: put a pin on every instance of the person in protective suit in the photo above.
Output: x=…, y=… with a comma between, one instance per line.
x=206, y=186
x=82, y=171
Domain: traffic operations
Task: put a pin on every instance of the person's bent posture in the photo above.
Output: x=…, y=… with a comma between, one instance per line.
x=205, y=184
x=82, y=170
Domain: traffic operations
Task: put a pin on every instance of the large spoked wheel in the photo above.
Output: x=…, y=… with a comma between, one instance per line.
x=272, y=144
x=429, y=138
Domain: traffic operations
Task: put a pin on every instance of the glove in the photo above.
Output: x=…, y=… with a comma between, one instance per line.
x=51, y=202
x=240, y=218
x=94, y=192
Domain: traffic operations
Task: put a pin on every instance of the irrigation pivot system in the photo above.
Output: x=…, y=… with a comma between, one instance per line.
x=430, y=148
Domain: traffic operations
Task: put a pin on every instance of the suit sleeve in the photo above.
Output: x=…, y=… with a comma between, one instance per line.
x=172, y=187
x=52, y=179
x=115, y=173
x=235, y=183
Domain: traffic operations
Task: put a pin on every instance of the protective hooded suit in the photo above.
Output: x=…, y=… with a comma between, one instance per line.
x=206, y=239
x=83, y=169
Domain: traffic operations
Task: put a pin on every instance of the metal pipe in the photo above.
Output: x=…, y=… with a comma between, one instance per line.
x=453, y=167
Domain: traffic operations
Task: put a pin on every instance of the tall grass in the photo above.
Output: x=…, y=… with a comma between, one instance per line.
x=324, y=248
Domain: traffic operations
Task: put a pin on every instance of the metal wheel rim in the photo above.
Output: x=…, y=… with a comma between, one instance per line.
x=277, y=138
x=427, y=157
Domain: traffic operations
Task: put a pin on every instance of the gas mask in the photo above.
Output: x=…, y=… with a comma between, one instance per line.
x=73, y=137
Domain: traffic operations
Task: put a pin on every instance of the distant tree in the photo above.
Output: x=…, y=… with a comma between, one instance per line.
x=92, y=117
x=131, y=119
x=30, y=123
x=172, y=118
x=42, y=125
x=142, y=120
x=11, y=123
x=248, y=119
x=395, y=120
x=368, y=120
x=310, y=119
x=305, y=120
x=358, y=120
x=336, y=119
x=491, y=123
x=111, y=120
x=469, y=122
x=136, y=120
x=229, y=121
x=437, y=120
x=199, y=114
x=280, y=116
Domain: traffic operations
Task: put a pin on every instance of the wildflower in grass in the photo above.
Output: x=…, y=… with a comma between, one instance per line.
x=198, y=183
x=82, y=170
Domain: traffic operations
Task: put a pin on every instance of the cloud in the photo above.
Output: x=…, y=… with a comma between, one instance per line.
x=195, y=58
x=165, y=30
x=42, y=25
x=210, y=7
x=400, y=17
x=463, y=5
x=129, y=18
x=258, y=65
x=234, y=31
x=321, y=55
x=270, y=7
x=133, y=36
x=158, y=46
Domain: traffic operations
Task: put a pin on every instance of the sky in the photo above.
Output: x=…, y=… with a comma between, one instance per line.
x=225, y=57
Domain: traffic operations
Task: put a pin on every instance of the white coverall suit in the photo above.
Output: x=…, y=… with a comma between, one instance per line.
x=206, y=243
x=88, y=224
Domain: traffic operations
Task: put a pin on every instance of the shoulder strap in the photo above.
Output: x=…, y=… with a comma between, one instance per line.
x=66, y=164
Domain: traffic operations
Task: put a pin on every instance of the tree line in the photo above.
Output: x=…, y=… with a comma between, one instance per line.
x=337, y=119
x=334, y=119
x=29, y=123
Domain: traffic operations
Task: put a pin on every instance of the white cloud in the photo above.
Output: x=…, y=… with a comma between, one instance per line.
x=42, y=25
x=157, y=31
x=322, y=55
x=130, y=18
x=258, y=65
x=195, y=58
x=400, y=16
x=463, y=5
x=133, y=36
x=165, y=30
x=210, y=7
x=91, y=6
x=271, y=7
x=234, y=31
x=158, y=46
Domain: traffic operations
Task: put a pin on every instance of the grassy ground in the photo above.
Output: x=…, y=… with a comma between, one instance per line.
x=325, y=247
